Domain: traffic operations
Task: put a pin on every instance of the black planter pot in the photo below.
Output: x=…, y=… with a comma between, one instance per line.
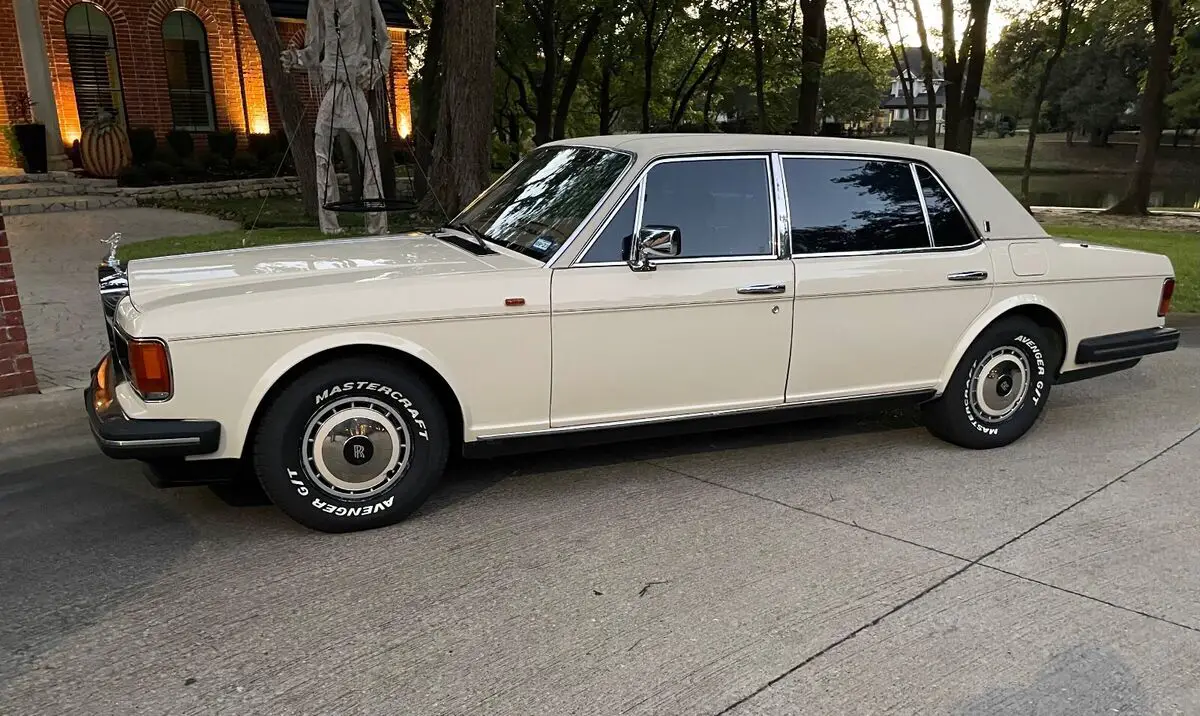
x=32, y=140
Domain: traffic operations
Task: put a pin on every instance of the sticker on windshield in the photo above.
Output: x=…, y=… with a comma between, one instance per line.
x=543, y=243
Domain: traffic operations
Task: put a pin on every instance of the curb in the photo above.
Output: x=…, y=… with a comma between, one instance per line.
x=55, y=408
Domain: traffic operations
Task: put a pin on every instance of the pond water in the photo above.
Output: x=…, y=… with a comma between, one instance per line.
x=1101, y=191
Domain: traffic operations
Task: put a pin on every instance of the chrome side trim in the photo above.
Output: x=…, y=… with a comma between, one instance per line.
x=150, y=442
x=924, y=208
x=709, y=414
x=783, y=208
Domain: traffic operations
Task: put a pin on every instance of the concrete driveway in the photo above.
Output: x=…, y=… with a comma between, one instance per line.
x=832, y=568
x=55, y=257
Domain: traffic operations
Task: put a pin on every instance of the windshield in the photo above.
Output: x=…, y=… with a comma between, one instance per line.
x=546, y=196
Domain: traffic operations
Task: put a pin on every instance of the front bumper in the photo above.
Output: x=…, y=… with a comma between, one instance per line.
x=122, y=437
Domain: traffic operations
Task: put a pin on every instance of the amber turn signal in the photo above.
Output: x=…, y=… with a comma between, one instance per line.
x=1164, y=301
x=151, y=368
x=102, y=395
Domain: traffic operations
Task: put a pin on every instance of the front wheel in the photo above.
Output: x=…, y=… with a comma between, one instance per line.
x=353, y=444
x=999, y=388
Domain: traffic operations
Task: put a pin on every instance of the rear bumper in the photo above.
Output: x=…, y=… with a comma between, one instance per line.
x=122, y=437
x=1125, y=346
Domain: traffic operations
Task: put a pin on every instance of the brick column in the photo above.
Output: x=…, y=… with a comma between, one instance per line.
x=16, y=365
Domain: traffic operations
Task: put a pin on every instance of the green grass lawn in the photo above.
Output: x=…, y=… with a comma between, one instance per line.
x=222, y=241
x=1182, y=248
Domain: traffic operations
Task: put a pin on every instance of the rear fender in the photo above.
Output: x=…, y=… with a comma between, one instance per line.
x=986, y=319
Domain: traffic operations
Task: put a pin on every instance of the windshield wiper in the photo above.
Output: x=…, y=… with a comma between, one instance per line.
x=475, y=233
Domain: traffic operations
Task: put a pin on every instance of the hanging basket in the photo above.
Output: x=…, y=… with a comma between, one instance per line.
x=370, y=206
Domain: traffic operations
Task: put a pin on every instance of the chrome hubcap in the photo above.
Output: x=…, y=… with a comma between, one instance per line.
x=999, y=384
x=356, y=447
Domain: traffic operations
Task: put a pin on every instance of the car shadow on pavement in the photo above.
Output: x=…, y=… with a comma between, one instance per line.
x=468, y=477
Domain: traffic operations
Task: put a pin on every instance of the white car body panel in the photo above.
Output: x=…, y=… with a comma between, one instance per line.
x=595, y=345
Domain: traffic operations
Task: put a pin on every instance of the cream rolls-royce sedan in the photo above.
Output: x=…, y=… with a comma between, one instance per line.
x=609, y=287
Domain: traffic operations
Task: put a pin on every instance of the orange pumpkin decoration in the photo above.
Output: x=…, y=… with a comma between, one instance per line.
x=104, y=147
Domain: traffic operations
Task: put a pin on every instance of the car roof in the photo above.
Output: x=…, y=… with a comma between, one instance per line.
x=986, y=201
x=693, y=142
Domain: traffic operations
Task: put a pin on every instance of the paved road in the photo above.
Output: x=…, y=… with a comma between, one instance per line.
x=858, y=567
x=55, y=257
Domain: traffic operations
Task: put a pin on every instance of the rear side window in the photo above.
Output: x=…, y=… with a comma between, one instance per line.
x=950, y=227
x=843, y=205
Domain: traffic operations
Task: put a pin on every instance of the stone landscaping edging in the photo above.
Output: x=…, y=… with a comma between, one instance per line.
x=230, y=188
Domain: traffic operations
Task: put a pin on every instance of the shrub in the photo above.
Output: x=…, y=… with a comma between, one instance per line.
x=166, y=155
x=223, y=144
x=135, y=175
x=245, y=162
x=181, y=141
x=216, y=163
x=142, y=144
x=191, y=168
x=263, y=145
x=159, y=171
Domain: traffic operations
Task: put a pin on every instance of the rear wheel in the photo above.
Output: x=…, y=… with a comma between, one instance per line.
x=999, y=388
x=354, y=444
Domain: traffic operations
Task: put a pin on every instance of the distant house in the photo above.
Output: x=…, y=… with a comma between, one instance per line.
x=894, y=108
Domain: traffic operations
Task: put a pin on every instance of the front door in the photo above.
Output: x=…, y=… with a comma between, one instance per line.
x=708, y=331
x=889, y=276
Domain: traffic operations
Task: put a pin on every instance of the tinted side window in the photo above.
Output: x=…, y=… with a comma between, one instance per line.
x=721, y=206
x=613, y=242
x=950, y=228
x=853, y=205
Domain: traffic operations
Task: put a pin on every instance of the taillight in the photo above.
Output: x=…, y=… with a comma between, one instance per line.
x=150, y=367
x=1164, y=301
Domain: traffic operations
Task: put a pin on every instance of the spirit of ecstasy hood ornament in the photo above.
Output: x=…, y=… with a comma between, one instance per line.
x=111, y=259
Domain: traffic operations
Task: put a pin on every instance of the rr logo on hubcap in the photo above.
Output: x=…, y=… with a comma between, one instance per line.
x=358, y=450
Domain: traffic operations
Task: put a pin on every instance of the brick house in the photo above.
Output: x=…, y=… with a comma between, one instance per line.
x=165, y=64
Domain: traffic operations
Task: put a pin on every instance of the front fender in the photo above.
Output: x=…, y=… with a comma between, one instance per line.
x=984, y=320
x=322, y=344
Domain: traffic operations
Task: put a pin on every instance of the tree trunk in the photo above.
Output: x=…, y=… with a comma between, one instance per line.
x=650, y=14
x=1097, y=137
x=908, y=95
x=814, y=36
x=952, y=73
x=459, y=171
x=571, y=81
x=378, y=103
x=974, y=60
x=1154, y=112
x=1064, y=26
x=605, y=99
x=430, y=87
x=287, y=99
x=927, y=72
x=760, y=93
x=712, y=86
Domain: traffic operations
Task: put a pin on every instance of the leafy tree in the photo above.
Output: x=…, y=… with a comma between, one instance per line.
x=854, y=77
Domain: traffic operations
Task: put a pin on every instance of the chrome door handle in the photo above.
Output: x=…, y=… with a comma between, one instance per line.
x=763, y=288
x=968, y=276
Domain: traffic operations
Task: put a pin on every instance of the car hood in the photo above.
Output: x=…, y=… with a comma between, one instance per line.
x=171, y=280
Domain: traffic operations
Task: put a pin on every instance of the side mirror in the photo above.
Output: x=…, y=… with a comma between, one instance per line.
x=655, y=242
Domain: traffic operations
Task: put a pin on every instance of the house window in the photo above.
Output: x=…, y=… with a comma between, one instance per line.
x=189, y=76
x=92, y=54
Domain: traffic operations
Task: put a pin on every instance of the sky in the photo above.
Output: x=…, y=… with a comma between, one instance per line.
x=1001, y=13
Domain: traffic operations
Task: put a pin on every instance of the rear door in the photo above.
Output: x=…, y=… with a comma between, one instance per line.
x=889, y=276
